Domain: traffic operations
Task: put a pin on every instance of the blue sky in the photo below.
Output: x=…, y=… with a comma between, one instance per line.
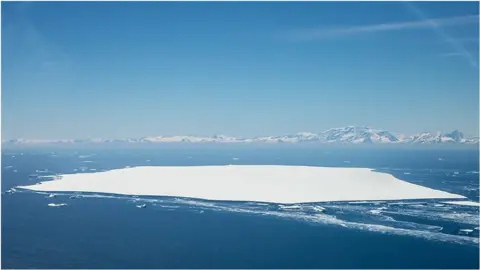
x=125, y=69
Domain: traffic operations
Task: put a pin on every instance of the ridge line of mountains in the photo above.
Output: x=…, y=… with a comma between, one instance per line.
x=344, y=135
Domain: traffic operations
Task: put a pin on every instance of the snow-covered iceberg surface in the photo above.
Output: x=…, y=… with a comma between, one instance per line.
x=258, y=183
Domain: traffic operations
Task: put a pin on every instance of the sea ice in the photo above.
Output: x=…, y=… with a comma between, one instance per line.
x=466, y=203
x=56, y=204
x=465, y=231
x=276, y=184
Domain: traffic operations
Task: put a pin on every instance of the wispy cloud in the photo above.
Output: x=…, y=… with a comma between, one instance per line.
x=468, y=40
x=28, y=47
x=325, y=33
x=450, y=54
x=456, y=45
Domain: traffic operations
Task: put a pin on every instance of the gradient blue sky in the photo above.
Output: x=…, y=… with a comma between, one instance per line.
x=125, y=69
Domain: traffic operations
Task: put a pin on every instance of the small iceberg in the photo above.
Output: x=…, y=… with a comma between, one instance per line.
x=377, y=211
x=318, y=208
x=142, y=206
x=51, y=196
x=57, y=204
x=286, y=207
x=11, y=191
x=465, y=231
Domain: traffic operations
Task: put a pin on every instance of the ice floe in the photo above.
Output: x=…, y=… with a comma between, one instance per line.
x=465, y=203
x=465, y=231
x=57, y=204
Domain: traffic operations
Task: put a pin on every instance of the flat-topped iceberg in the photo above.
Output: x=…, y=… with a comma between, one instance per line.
x=258, y=183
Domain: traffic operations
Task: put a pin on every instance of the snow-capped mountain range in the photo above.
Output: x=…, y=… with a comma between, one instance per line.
x=344, y=135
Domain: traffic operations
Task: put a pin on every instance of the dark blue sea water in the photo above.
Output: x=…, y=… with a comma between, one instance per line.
x=109, y=231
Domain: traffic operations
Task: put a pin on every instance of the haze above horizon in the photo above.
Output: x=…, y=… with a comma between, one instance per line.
x=134, y=69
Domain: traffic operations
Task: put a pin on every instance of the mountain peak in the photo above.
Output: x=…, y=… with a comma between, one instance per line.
x=342, y=135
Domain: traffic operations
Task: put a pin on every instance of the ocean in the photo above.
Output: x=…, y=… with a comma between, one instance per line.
x=111, y=231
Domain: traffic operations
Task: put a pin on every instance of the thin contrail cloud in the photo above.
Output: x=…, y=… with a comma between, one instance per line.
x=456, y=45
x=326, y=33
